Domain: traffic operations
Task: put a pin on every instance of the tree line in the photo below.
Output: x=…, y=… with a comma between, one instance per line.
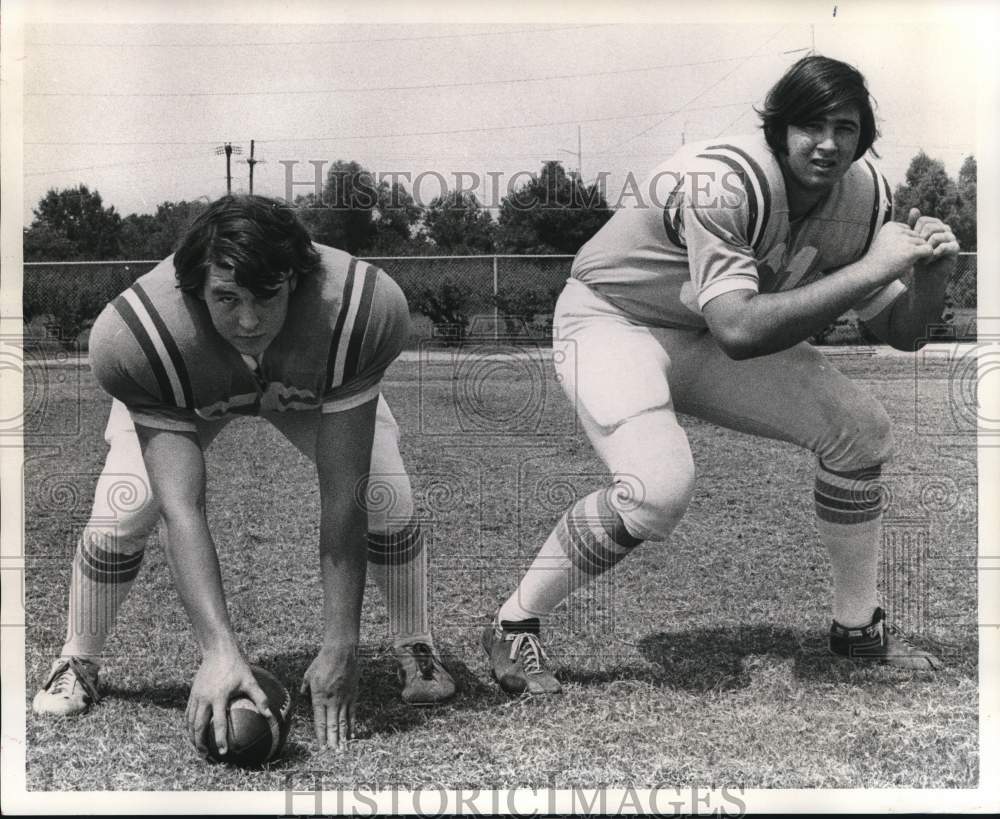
x=929, y=188
x=553, y=212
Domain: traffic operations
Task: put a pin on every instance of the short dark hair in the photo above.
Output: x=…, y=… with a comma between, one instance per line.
x=813, y=87
x=260, y=239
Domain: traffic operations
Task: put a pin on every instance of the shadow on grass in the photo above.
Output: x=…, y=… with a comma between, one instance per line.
x=721, y=659
x=174, y=695
x=381, y=709
x=716, y=658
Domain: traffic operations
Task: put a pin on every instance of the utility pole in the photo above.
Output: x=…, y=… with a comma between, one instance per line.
x=578, y=153
x=251, y=162
x=228, y=149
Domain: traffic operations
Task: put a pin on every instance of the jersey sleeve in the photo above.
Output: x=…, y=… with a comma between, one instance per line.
x=122, y=370
x=379, y=332
x=718, y=221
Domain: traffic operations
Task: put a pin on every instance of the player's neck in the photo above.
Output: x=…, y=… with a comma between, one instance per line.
x=802, y=201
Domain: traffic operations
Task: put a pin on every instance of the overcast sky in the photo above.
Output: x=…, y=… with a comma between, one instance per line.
x=137, y=111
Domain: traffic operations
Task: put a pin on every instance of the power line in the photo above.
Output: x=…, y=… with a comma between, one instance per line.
x=380, y=88
x=362, y=40
x=380, y=135
x=703, y=92
x=481, y=157
x=179, y=158
x=537, y=156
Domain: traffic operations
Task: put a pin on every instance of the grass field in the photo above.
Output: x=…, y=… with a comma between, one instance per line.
x=699, y=661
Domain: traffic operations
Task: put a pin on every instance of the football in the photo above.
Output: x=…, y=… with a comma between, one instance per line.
x=252, y=739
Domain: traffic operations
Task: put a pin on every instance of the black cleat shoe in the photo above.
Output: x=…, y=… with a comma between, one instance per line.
x=880, y=643
x=425, y=680
x=516, y=657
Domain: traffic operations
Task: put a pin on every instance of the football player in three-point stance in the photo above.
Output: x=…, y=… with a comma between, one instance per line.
x=249, y=317
x=701, y=303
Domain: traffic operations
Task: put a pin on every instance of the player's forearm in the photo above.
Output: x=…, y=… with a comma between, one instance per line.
x=343, y=563
x=770, y=322
x=195, y=568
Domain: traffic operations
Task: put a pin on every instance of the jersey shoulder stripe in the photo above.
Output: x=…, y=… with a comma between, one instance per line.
x=338, y=327
x=174, y=386
x=361, y=319
x=888, y=200
x=352, y=322
x=750, y=191
x=765, y=188
x=672, y=221
x=169, y=344
x=754, y=183
x=873, y=222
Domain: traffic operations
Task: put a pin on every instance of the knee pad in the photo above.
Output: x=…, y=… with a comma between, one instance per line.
x=125, y=509
x=863, y=438
x=389, y=501
x=651, y=508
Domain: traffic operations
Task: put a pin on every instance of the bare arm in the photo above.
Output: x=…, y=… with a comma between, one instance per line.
x=748, y=324
x=176, y=470
x=343, y=459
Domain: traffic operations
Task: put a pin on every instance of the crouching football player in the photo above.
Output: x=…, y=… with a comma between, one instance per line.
x=249, y=317
x=702, y=303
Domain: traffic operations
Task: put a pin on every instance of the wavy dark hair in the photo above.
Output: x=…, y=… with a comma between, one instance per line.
x=811, y=88
x=260, y=239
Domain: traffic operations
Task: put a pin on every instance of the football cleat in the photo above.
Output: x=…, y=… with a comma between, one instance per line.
x=517, y=657
x=880, y=643
x=425, y=680
x=71, y=688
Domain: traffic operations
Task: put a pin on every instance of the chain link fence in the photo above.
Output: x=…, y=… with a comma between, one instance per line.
x=962, y=288
x=503, y=297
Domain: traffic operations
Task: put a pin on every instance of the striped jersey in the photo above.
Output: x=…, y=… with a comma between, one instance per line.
x=155, y=349
x=713, y=219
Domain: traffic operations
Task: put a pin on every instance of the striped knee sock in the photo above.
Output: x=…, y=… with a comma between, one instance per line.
x=588, y=540
x=100, y=583
x=397, y=561
x=849, y=518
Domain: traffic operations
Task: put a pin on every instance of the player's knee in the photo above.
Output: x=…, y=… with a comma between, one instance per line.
x=125, y=530
x=661, y=499
x=864, y=439
x=389, y=502
x=880, y=443
x=103, y=541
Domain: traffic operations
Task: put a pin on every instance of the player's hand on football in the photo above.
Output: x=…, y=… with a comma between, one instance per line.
x=897, y=247
x=221, y=677
x=937, y=234
x=332, y=680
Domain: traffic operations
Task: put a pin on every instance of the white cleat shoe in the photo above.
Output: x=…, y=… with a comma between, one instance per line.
x=71, y=688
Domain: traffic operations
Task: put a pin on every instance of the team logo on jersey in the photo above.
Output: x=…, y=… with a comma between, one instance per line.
x=792, y=273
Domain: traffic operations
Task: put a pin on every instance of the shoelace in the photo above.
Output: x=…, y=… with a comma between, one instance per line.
x=902, y=638
x=424, y=658
x=67, y=674
x=527, y=647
